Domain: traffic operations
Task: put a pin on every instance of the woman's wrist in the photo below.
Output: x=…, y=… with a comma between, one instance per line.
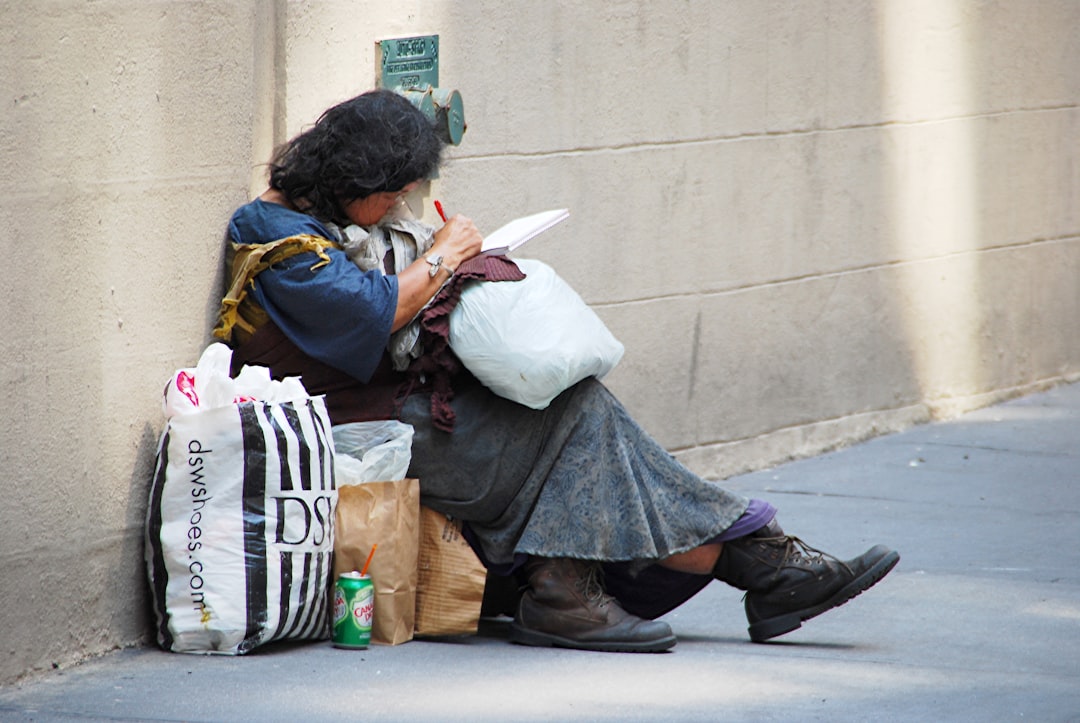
x=451, y=259
x=438, y=263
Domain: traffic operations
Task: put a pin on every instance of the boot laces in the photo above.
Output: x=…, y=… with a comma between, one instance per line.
x=591, y=584
x=798, y=553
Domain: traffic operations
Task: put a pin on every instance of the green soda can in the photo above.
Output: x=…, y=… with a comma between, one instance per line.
x=354, y=607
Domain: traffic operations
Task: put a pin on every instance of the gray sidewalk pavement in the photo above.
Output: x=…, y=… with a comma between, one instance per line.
x=980, y=621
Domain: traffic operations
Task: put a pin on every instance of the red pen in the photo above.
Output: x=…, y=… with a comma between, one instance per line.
x=438, y=207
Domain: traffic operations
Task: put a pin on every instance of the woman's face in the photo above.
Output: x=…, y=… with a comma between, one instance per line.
x=369, y=210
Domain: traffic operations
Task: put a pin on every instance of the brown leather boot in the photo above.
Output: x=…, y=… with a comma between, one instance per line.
x=787, y=581
x=565, y=606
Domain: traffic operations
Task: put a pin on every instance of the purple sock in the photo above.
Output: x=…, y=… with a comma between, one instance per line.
x=758, y=514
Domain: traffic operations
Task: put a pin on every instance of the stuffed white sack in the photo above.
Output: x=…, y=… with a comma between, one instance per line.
x=529, y=340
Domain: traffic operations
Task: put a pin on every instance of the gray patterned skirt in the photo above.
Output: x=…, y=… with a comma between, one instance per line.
x=579, y=479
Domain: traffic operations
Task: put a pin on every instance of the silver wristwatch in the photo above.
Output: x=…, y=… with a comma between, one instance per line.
x=436, y=262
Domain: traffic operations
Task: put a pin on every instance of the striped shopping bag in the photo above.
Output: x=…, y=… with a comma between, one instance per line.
x=239, y=528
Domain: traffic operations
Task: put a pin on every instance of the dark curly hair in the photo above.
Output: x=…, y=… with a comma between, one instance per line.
x=376, y=142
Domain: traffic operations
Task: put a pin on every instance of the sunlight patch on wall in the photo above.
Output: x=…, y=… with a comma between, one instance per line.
x=928, y=88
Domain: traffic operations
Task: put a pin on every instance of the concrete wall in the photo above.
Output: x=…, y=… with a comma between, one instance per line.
x=808, y=221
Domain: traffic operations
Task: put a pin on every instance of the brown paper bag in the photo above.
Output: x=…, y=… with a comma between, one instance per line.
x=386, y=514
x=450, y=581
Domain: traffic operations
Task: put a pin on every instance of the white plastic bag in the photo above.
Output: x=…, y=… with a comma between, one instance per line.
x=209, y=385
x=239, y=526
x=529, y=340
x=372, y=451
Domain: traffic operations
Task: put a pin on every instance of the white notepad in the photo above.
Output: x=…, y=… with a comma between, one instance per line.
x=520, y=230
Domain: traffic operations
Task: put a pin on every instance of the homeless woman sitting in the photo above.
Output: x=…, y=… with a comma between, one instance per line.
x=332, y=280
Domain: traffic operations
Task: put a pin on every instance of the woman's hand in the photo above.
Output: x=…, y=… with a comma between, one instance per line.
x=456, y=242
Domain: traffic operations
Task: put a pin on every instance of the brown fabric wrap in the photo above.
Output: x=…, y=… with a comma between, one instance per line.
x=439, y=362
x=347, y=398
